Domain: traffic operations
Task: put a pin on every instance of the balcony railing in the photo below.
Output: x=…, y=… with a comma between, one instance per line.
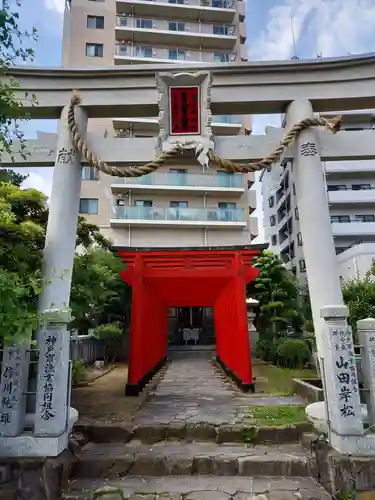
x=215, y=4
x=176, y=26
x=187, y=180
x=228, y=119
x=178, y=54
x=180, y=214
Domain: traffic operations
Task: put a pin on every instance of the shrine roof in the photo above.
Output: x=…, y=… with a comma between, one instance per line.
x=258, y=247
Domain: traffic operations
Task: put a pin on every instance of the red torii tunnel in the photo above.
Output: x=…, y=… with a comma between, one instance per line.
x=188, y=277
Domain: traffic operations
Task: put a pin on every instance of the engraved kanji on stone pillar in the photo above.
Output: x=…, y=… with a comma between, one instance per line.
x=366, y=335
x=340, y=373
x=13, y=385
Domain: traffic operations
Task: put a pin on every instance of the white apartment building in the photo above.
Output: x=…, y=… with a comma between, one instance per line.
x=180, y=205
x=351, y=199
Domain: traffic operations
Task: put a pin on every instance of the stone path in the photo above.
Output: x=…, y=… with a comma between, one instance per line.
x=194, y=390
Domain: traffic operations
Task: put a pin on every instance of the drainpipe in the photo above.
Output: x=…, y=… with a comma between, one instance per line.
x=205, y=229
x=129, y=236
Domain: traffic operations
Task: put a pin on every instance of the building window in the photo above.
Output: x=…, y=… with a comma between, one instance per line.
x=224, y=205
x=273, y=220
x=221, y=57
x=302, y=265
x=365, y=218
x=180, y=2
x=271, y=201
x=176, y=55
x=294, y=188
x=176, y=26
x=336, y=187
x=95, y=22
x=143, y=51
x=90, y=173
x=220, y=29
x=359, y=187
x=144, y=23
x=143, y=203
x=179, y=204
x=299, y=239
x=88, y=206
x=94, y=49
x=340, y=218
x=296, y=214
x=273, y=240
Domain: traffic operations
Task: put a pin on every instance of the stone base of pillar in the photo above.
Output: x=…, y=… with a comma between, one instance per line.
x=35, y=477
x=340, y=473
x=28, y=446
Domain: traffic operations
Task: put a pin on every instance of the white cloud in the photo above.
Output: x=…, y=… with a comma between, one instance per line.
x=331, y=27
x=56, y=5
x=39, y=182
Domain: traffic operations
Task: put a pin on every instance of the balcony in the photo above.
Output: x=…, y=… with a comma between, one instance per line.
x=179, y=33
x=189, y=10
x=342, y=169
x=159, y=182
x=361, y=197
x=128, y=53
x=150, y=126
x=354, y=228
x=215, y=218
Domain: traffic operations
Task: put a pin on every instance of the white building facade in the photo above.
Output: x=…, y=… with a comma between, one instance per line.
x=351, y=199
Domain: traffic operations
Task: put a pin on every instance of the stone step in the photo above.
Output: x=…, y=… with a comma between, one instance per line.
x=201, y=431
x=197, y=488
x=199, y=458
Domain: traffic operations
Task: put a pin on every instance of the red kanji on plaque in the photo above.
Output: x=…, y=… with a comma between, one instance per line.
x=184, y=110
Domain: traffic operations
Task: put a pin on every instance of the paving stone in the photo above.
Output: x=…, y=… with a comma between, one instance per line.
x=180, y=465
x=271, y=465
x=200, y=432
x=146, y=465
x=168, y=496
x=224, y=466
x=140, y=496
x=208, y=495
x=230, y=433
x=105, y=433
x=150, y=433
x=203, y=465
x=283, y=495
x=249, y=496
x=92, y=467
x=176, y=430
x=109, y=493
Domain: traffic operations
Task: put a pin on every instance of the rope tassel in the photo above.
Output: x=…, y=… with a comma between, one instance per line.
x=79, y=142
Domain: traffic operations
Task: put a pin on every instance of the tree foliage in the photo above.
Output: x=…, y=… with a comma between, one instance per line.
x=99, y=295
x=359, y=296
x=276, y=290
x=12, y=50
x=23, y=223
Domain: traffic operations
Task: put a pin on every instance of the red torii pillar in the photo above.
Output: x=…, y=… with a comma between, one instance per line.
x=203, y=277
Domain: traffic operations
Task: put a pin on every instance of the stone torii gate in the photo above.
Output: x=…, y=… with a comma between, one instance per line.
x=298, y=88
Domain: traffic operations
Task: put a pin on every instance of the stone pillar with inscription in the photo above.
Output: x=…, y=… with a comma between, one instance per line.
x=341, y=380
x=366, y=335
x=13, y=385
x=53, y=383
x=318, y=245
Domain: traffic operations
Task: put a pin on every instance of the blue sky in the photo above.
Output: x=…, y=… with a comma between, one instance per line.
x=326, y=27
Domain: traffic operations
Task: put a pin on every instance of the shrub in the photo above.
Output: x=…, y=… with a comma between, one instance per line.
x=111, y=334
x=266, y=350
x=78, y=371
x=292, y=353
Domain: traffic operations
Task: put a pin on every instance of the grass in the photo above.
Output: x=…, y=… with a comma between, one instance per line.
x=274, y=380
x=276, y=416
